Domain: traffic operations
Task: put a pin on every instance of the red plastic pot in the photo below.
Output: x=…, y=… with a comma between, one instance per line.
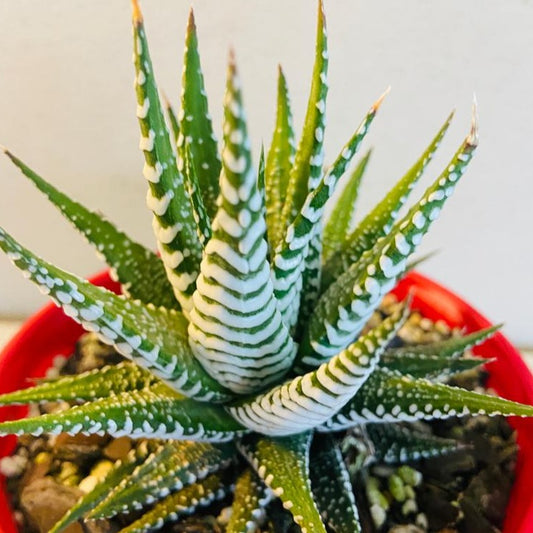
x=50, y=333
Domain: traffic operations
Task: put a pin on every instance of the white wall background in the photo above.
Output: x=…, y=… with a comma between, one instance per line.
x=67, y=108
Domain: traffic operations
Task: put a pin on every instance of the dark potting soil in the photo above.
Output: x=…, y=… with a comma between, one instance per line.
x=465, y=491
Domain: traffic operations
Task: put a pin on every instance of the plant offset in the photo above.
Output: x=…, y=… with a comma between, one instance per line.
x=244, y=334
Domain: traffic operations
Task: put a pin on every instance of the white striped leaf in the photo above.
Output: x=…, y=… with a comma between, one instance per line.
x=154, y=338
x=332, y=488
x=283, y=464
x=448, y=348
x=201, y=218
x=290, y=255
x=170, y=469
x=235, y=328
x=196, y=129
x=344, y=308
x=167, y=197
x=279, y=163
x=249, y=502
x=120, y=470
x=139, y=271
x=184, y=502
x=97, y=383
x=311, y=399
x=430, y=367
x=379, y=221
x=154, y=413
x=388, y=396
x=395, y=443
x=309, y=157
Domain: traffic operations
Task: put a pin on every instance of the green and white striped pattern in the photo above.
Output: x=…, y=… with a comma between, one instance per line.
x=394, y=443
x=283, y=465
x=279, y=163
x=152, y=413
x=289, y=258
x=140, y=272
x=167, y=198
x=310, y=400
x=387, y=396
x=343, y=310
x=244, y=337
x=184, y=502
x=171, y=468
x=97, y=383
x=309, y=157
x=249, y=502
x=196, y=129
x=379, y=221
x=235, y=328
x=330, y=482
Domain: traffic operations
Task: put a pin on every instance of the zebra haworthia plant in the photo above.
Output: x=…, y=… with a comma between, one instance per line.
x=244, y=334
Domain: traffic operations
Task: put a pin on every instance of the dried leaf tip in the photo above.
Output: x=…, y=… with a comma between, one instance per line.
x=322, y=14
x=166, y=101
x=378, y=102
x=4, y=149
x=473, y=137
x=191, y=24
x=137, y=15
x=232, y=66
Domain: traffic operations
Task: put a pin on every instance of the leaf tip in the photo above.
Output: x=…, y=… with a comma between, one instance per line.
x=165, y=100
x=379, y=101
x=473, y=137
x=191, y=23
x=136, y=10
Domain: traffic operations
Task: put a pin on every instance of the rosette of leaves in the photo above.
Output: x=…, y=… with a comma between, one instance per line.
x=244, y=334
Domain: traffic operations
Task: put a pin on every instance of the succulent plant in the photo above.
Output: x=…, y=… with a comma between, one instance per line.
x=244, y=335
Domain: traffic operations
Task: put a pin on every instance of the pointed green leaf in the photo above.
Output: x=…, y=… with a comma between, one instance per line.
x=175, y=466
x=154, y=413
x=201, y=218
x=172, y=118
x=310, y=399
x=341, y=218
x=393, y=443
x=235, y=328
x=249, y=501
x=387, y=396
x=196, y=129
x=307, y=168
x=283, y=464
x=344, y=308
x=332, y=487
x=120, y=470
x=448, y=348
x=140, y=271
x=184, y=502
x=430, y=366
x=290, y=256
x=98, y=383
x=379, y=221
x=167, y=198
x=279, y=162
x=154, y=338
